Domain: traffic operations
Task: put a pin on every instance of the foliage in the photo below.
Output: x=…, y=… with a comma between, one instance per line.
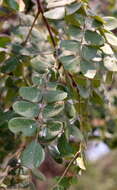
x=53, y=66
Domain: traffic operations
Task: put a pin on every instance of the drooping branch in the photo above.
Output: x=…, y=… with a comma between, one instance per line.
x=29, y=33
x=67, y=169
x=40, y=9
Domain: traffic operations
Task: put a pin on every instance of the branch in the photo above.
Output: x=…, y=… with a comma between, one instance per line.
x=29, y=33
x=40, y=9
x=67, y=169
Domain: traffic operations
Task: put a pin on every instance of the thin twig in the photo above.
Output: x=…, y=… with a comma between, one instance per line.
x=29, y=33
x=40, y=8
x=67, y=169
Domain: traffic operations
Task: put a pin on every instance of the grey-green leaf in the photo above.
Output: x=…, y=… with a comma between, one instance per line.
x=71, y=45
x=88, y=69
x=32, y=94
x=51, y=110
x=76, y=133
x=111, y=23
x=91, y=53
x=93, y=38
x=33, y=155
x=54, y=96
x=39, y=64
x=70, y=9
x=26, y=109
x=56, y=13
x=71, y=63
x=20, y=124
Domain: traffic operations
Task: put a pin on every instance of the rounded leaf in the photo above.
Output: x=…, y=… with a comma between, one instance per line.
x=110, y=23
x=71, y=45
x=88, y=69
x=94, y=38
x=71, y=63
x=111, y=39
x=57, y=13
x=26, y=109
x=39, y=65
x=26, y=126
x=33, y=155
x=54, y=96
x=51, y=110
x=91, y=53
x=32, y=94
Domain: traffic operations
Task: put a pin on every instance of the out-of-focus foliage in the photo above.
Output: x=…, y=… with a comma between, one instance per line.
x=101, y=175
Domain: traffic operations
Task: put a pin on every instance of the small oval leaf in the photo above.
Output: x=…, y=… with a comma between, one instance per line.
x=57, y=13
x=32, y=94
x=94, y=38
x=26, y=109
x=33, y=155
x=26, y=126
x=54, y=96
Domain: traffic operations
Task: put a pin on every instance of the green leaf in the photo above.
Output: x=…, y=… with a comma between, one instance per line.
x=110, y=23
x=93, y=38
x=76, y=133
x=96, y=98
x=54, y=96
x=75, y=32
x=80, y=18
x=4, y=40
x=39, y=65
x=26, y=109
x=99, y=18
x=54, y=127
x=10, y=64
x=91, y=53
x=37, y=80
x=51, y=131
x=71, y=19
x=70, y=110
x=84, y=91
x=33, y=155
x=51, y=110
x=71, y=9
x=71, y=63
x=64, y=147
x=88, y=69
x=57, y=3
x=111, y=39
x=71, y=45
x=96, y=24
x=12, y=4
x=56, y=13
x=96, y=83
x=26, y=126
x=32, y=94
x=110, y=62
